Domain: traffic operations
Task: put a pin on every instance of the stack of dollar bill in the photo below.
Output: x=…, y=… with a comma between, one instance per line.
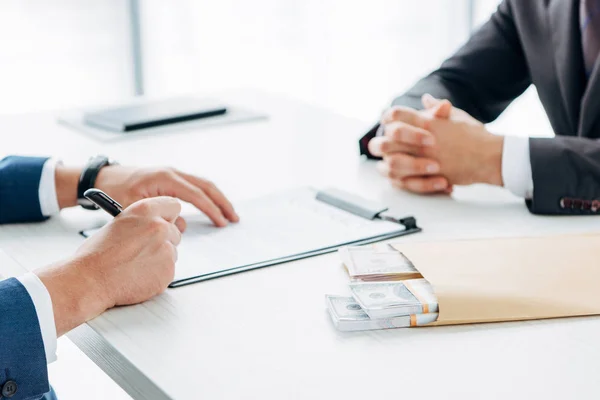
x=379, y=262
x=384, y=296
x=347, y=315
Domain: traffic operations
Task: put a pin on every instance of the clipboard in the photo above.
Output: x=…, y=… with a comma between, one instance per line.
x=283, y=227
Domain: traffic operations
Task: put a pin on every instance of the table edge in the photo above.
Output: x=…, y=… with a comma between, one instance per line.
x=115, y=365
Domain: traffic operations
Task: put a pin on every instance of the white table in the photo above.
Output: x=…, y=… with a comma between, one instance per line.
x=265, y=334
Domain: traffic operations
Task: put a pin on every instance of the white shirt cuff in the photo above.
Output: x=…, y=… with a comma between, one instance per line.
x=43, y=307
x=47, y=189
x=516, y=166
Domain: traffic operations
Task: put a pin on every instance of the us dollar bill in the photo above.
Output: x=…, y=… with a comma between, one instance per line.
x=380, y=262
x=395, y=299
x=348, y=316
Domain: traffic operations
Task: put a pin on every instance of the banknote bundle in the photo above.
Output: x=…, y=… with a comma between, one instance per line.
x=387, y=292
x=394, y=299
x=380, y=262
x=348, y=316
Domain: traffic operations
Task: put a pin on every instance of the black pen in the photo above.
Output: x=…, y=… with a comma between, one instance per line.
x=104, y=201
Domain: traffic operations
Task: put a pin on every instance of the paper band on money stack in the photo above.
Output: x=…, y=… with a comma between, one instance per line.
x=380, y=262
x=347, y=315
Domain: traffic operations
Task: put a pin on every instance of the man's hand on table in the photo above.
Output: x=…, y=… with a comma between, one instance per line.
x=431, y=150
x=128, y=184
x=130, y=260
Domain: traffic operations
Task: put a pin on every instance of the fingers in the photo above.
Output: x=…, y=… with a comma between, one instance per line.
x=214, y=194
x=415, y=174
x=376, y=145
x=423, y=185
x=181, y=224
x=380, y=146
x=407, y=115
x=438, y=108
x=185, y=191
x=203, y=194
x=167, y=208
x=410, y=127
x=163, y=214
x=173, y=234
x=408, y=134
x=175, y=254
x=429, y=101
x=442, y=110
x=400, y=165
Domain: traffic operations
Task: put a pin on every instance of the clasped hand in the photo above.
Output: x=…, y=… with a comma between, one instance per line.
x=431, y=150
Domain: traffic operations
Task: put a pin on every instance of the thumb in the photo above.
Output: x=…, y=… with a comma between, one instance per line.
x=443, y=109
x=429, y=101
x=438, y=108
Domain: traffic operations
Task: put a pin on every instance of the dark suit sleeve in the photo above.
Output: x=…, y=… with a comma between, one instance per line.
x=565, y=175
x=19, y=189
x=482, y=78
x=22, y=354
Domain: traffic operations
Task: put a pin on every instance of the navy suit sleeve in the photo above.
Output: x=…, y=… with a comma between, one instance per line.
x=22, y=354
x=19, y=189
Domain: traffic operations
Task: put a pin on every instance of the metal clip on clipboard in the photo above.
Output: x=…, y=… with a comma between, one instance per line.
x=363, y=208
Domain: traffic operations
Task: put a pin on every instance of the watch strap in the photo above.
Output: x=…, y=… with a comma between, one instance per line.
x=87, y=180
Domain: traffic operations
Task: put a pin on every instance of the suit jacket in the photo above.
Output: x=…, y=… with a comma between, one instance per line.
x=22, y=355
x=531, y=42
x=19, y=189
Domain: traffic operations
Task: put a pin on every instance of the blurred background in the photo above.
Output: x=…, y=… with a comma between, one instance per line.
x=351, y=57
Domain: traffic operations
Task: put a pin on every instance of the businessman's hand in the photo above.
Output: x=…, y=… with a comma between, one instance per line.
x=128, y=261
x=463, y=151
x=409, y=151
x=128, y=185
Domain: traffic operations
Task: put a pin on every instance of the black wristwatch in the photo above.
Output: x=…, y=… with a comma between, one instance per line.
x=87, y=180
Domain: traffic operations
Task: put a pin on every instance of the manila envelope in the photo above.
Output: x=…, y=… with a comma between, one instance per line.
x=511, y=279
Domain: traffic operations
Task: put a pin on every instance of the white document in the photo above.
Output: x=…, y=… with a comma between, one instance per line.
x=272, y=227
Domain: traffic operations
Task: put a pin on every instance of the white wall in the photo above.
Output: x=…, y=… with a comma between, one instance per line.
x=350, y=56
x=61, y=53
